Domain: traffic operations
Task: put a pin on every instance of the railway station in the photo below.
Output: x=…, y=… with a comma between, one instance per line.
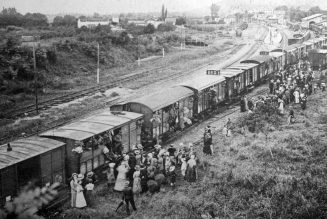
x=125, y=118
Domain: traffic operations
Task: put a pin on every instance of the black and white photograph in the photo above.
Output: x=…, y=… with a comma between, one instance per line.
x=163, y=109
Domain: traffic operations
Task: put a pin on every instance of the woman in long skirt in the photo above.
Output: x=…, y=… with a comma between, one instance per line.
x=80, y=200
x=191, y=171
x=121, y=180
x=137, y=180
x=73, y=189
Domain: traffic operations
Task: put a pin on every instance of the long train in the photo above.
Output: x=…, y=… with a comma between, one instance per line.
x=54, y=155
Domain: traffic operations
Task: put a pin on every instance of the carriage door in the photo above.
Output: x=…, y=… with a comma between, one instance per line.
x=125, y=137
x=29, y=171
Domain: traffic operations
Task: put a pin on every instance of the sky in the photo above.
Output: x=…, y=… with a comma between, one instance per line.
x=124, y=6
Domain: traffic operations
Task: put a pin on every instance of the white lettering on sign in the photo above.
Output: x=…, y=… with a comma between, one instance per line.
x=213, y=72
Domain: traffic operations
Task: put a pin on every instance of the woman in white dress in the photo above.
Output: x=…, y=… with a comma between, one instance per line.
x=297, y=96
x=121, y=180
x=80, y=200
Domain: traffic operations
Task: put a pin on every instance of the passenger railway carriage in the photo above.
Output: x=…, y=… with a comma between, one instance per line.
x=78, y=147
x=114, y=129
x=208, y=89
x=164, y=112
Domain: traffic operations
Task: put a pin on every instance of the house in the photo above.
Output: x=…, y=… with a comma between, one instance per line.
x=137, y=22
x=154, y=23
x=91, y=22
x=230, y=19
x=115, y=20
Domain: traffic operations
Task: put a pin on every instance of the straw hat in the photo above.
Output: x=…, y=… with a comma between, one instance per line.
x=112, y=165
x=90, y=174
x=74, y=174
x=80, y=176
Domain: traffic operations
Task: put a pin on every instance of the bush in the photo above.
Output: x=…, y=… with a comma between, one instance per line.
x=149, y=29
x=166, y=27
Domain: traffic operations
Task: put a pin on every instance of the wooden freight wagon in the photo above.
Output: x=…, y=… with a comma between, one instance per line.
x=318, y=58
x=265, y=67
x=234, y=82
x=33, y=159
x=164, y=112
x=209, y=90
x=116, y=130
x=250, y=73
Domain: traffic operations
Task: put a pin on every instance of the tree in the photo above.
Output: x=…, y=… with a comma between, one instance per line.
x=180, y=21
x=9, y=16
x=163, y=13
x=281, y=8
x=214, y=8
x=57, y=21
x=166, y=27
x=35, y=20
x=149, y=29
x=314, y=10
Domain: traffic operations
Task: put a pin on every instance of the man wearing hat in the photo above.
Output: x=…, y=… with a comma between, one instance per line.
x=128, y=197
x=172, y=150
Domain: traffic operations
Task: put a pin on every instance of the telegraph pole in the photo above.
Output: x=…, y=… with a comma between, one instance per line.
x=98, y=65
x=35, y=80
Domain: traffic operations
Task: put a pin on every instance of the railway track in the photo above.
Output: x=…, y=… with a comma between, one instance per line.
x=30, y=109
x=46, y=104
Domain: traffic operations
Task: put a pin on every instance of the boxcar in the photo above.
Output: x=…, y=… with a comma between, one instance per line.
x=33, y=159
x=116, y=130
x=234, y=82
x=318, y=58
x=208, y=90
x=250, y=73
x=164, y=112
x=265, y=65
x=308, y=46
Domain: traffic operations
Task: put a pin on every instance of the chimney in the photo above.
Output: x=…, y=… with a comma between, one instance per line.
x=9, y=148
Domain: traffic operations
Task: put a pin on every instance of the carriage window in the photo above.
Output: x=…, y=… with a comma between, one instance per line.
x=250, y=76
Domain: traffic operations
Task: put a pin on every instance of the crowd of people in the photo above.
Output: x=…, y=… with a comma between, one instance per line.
x=138, y=172
x=290, y=86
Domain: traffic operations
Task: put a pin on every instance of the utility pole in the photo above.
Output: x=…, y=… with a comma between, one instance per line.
x=35, y=80
x=98, y=67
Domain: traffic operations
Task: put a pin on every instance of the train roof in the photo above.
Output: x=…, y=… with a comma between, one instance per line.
x=276, y=54
x=163, y=98
x=244, y=66
x=26, y=148
x=321, y=51
x=93, y=125
x=258, y=59
x=229, y=72
x=293, y=47
x=202, y=82
x=308, y=43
